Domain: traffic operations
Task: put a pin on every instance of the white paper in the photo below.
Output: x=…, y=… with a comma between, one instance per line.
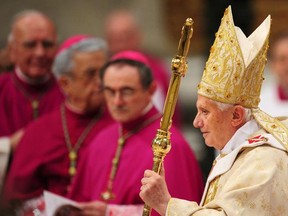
x=54, y=201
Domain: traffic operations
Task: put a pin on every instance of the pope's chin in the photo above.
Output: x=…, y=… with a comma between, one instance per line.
x=207, y=141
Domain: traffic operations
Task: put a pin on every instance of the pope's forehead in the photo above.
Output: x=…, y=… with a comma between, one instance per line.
x=203, y=101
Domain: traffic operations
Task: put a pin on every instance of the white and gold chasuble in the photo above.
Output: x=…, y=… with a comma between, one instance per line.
x=249, y=178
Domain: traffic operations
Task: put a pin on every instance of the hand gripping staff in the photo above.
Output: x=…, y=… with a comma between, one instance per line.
x=161, y=143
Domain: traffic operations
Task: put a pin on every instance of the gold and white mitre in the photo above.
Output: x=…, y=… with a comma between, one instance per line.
x=234, y=71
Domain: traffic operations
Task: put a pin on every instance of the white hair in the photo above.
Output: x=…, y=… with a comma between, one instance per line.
x=63, y=62
x=225, y=106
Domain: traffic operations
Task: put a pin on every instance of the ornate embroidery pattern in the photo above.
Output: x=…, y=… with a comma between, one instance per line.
x=273, y=126
x=226, y=77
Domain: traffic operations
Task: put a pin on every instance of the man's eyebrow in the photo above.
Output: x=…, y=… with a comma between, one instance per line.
x=107, y=87
x=121, y=89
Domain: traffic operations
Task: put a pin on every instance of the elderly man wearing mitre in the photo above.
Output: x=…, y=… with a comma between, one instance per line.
x=48, y=155
x=249, y=177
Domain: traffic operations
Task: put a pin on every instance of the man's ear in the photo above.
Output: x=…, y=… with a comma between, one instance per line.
x=238, y=115
x=152, y=88
x=64, y=83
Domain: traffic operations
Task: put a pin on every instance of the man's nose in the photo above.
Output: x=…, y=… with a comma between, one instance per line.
x=118, y=99
x=39, y=49
x=197, y=123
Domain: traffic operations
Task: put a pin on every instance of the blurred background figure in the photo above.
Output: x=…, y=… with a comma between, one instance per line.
x=30, y=90
x=274, y=95
x=123, y=32
x=62, y=137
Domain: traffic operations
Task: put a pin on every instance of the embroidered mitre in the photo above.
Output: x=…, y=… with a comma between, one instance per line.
x=234, y=71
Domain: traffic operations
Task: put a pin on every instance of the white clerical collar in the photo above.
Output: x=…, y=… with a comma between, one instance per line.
x=73, y=108
x=147, y=108
x=28, y=80
x=241, y=136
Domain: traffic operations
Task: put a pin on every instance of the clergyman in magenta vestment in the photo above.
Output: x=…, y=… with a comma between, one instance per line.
x=41, y=159
x=183, y=175
x=16, y=110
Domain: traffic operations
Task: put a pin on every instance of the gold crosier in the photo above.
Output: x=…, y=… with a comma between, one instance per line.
x=161, y=144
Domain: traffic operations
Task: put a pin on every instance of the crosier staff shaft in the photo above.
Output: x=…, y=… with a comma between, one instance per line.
x=161, y=144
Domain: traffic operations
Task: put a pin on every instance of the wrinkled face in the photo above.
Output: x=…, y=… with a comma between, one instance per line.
x=214, y=123
x=83, y=87
x=124, y=94
x=279, y=61
x=33, y=46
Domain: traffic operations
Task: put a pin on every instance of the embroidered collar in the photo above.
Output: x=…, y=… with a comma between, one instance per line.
x=240, y=136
